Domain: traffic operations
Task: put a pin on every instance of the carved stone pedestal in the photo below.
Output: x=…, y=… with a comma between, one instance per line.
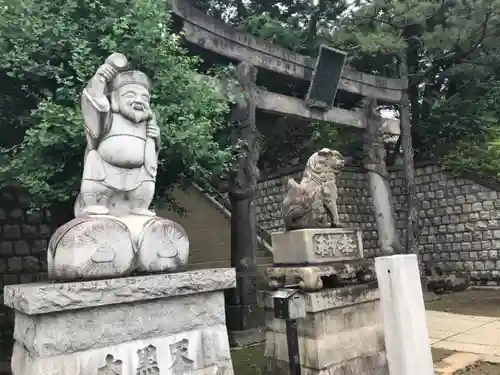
x=317, y=246
x=314, y=259
x=161, y=324
x=341, y=334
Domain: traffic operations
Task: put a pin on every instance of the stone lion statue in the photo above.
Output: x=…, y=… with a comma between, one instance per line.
x=312, y=203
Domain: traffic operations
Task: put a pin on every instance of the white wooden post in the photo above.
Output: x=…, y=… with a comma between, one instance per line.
x=405, y=325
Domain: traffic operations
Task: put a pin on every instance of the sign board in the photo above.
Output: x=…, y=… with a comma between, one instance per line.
x=326, y=78
x=289, y=304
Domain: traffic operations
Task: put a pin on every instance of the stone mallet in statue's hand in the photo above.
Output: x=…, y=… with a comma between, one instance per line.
x=113, y=64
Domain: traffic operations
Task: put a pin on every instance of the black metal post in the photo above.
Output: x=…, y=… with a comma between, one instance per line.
x=292, y=339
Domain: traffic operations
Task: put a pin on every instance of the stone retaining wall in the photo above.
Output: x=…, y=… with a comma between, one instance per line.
x=23, y=252
x=460, y=227
x=458, y=217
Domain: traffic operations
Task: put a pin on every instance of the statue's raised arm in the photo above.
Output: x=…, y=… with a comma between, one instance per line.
x=95, y=103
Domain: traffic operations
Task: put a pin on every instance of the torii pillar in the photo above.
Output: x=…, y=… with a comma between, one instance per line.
x=245, y=318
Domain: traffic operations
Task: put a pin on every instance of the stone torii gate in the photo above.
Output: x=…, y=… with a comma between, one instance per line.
x=252, y=54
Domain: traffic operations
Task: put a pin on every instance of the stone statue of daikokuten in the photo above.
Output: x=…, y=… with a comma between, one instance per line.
x=114, y=232
x=123, y=141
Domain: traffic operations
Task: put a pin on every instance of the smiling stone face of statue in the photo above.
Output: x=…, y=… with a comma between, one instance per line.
x=133, y=102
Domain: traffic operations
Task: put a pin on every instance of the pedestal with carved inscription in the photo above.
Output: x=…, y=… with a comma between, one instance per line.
x=317, y=258
x=317, y=246
x=162, y=324
x=341, y=334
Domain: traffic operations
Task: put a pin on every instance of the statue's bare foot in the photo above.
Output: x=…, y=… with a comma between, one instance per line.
x=96, y=210
x=143, y=212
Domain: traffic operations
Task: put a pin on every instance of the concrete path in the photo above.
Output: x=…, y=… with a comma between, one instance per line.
x=458, y=361
x=465, y=333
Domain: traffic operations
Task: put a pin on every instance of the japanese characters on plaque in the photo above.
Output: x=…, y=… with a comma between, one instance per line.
x=112, y=367
x=180, y=360
x=329, y=245
x=148, y=361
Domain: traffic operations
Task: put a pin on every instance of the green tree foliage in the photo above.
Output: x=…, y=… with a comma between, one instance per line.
x=479, y=153
x=288, y=142
x=293, y=14
x=294, y=24
x=451, y=56
x=49, y=49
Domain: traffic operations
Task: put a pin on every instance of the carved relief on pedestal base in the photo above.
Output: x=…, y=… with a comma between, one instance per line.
x=100, y=246
x=314, y=278
x=163, y=244
x=91, y=247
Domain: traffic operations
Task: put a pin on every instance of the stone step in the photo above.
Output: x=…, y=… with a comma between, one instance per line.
x=263, y=250
x=264, y=261
x=264, y=256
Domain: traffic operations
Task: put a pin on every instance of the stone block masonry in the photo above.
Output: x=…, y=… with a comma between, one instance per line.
x=459, y=218
x=460, y=227
x=23, y=245
x=341, y=334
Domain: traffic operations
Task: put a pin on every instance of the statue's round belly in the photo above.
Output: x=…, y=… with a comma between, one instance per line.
x=123, y=151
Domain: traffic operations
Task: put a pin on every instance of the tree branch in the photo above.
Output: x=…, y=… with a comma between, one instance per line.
x=454, y=57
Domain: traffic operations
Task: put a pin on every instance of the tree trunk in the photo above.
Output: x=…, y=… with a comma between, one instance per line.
x=241, y=11
x=411, y=243
x=312, y=27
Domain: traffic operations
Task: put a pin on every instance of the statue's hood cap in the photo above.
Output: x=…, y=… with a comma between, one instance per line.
x=129, y=77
